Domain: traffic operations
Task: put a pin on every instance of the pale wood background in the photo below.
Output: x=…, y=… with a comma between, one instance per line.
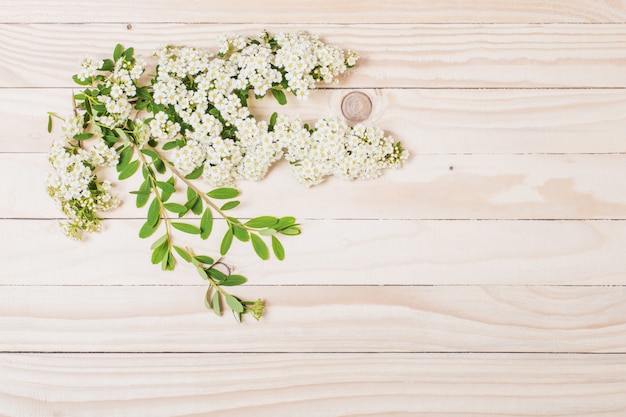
x=487, y=277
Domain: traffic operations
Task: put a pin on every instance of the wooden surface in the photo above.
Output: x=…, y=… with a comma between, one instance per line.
x=486, y=277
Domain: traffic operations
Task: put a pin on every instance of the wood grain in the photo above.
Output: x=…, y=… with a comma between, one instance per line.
x=400, y=55
x=432, y=121
x=335, y=252
x=427, y=187
x=323, y=385
x=316, y=319
x=487, y=277
x=321, y=11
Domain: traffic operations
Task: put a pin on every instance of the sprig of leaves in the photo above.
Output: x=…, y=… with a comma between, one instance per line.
x=174, y=202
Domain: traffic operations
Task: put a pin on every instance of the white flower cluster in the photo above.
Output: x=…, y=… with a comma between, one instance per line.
x=122, y=87
x=222, y=136
x=74, y=187
x=334, y=148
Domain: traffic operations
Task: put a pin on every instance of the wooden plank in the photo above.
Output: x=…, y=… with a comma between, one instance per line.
x=321, y=11
x=435, y=121
x=338, y=252
x=427, y=187
x=399, y=55
x=316, y=319
x=324, y=385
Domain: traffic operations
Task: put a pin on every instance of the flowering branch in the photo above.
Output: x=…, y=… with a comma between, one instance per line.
x=190, y=121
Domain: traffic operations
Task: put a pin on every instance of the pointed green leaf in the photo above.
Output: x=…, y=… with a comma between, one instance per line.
x=279, y=95
x=122, y=135
x=159, y=241
x=291, y=231
x=230, y=205
x=223, y=193
x=207, y=260
x=49, y=124
x=82, y=136
x=130, y=169
x=148, y=229
x=175, y=208
x=215, y=300
x=117, y=52
x=186, y=228
x=160, y=252
x=234, y=304
x=182, y=253
x=241, y=233
x=278, y=249
x=125, y=157
x=197, y=206
x=216, y=274
x=267, y=232
x=262, y=222
x=154, y=211
x=284, y=222
x=226, y=241
x=260, y=247
x=233, y=280
x=206, y=224
x=166, y=186
x=196, y=173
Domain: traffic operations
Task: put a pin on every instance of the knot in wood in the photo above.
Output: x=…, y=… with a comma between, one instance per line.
x=356, y=106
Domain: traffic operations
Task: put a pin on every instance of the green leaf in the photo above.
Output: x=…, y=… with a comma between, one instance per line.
x=122, y=135
x=148, y=229
x=169, y=262
x=154, y=211
x=125, y=156
x=197, y=207
x=160, y=252
x=216, y=274
x=233, y=280
x=169, y=145
x=206, y=224
x=143, y=195
x=128, y=54
x=117, y=52
x=159, y=166
x=107, y=65
x=152, y=154
x=267, y=232
x=223, y=193
x=273, y=119
x=166, y=186
x=291, y=231
x=284, y=222
x=82, y=136
x=202, y=272
x=234, y=303
x=186, y=228
x=196, y=173
x=207, y=260
x=230, y=205
x=159, y=241
x=207, y=299
x=279, y=95
x=215, y=300
x=262, y=222
x=278, y=249
x=175, y=208
x=130, y=169
x=226, y=241
x=49, y=124
x=260, y=247
x=182, y=253
x=241, y=233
